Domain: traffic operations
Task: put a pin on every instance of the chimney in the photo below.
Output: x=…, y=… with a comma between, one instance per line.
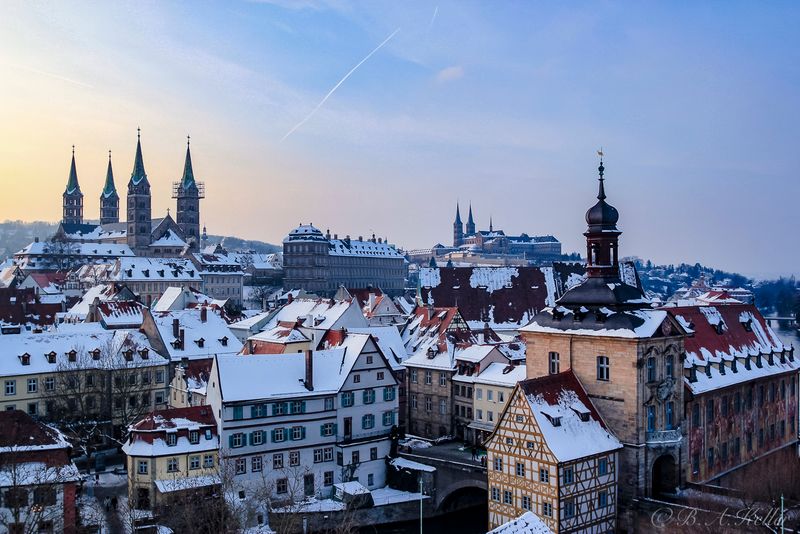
x=289, y=298
x=36, y=239
x=249, y=346
x=309, y=370
x=203, y=314
x=182, y=339
x=175, y=328
x=185, y=362
x=371, y=301
x=430, y=311
x=336, y=236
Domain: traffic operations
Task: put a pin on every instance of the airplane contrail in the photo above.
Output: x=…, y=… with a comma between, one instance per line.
x=433, y=18
x=49, y=74
x=335, y=87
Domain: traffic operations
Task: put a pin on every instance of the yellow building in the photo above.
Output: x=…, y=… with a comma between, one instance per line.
x=492, y=389
x=171, y=453
x=552, y=455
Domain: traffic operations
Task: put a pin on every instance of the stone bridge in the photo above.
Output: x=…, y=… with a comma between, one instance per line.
x=457, y=484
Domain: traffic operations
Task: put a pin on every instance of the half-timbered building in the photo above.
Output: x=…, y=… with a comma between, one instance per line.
x=551, y=454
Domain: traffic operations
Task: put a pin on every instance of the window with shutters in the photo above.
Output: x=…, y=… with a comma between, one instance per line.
x=194, y=462
x=388, y=418
x=237, y=440
x=298, y=407
x=369, y=396
x=368, y=421
x=298, y=433
x=347, y=399
x=388, y=393
x=257, y=437
x=327, y=429
x=279, y=408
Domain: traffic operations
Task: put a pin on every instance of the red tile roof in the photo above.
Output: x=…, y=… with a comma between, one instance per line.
x=551, y=386
x=20, y=429
x=174, y=417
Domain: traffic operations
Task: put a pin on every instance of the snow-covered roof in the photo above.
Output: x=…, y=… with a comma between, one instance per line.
x=304, y=232
x=202, y=338
x=186, y=483
x=283, y=375
x=527, y=523
x=344, y=247
x=557, y=402
x=84, y=339
x=21, y=433
x=403, y=463
x=169, y=239
x=631, y=324
x=501, y=374
x=473, y=353
x=155, y=270
x=105, y=250
x=388, y=340
x=121, y=313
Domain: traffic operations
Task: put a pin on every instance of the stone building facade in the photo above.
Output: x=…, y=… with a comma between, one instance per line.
x=320, y=264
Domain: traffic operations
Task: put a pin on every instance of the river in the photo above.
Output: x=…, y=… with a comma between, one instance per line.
x=472, y=520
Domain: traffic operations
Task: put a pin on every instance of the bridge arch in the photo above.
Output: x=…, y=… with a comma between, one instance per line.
x=461, y=492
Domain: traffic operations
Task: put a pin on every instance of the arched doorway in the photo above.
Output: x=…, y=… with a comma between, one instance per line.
x=664, y=480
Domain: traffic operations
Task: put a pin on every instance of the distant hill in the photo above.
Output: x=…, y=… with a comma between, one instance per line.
x=15, y=235
x=235, y=243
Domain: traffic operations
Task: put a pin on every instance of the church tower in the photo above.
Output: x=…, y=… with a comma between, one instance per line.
x=458, y=229
x=188, y=193
x=602, y=236
x=109, y=199
x=470, y=222
x=139, y=211
x=72, y=197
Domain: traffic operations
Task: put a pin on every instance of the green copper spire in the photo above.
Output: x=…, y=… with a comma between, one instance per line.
x=138, y=175
x=187, y=182
x=72, y=182
x=109, y=190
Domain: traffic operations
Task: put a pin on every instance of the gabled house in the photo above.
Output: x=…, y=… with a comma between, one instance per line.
x=551, y=454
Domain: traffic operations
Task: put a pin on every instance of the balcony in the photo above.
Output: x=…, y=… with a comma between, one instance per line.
x=663, y=437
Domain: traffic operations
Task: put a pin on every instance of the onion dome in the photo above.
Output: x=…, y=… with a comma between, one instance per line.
x=602, y=216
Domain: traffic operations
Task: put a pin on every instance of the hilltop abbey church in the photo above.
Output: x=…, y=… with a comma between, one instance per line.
x=144, y=235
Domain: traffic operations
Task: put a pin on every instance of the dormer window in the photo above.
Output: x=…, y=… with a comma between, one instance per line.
x=144, y=353
x=200, y=342
x=693, y=373
x=747, y=362
x=224, y=341
x=721, y=366
x=172, y=439
x=554, y=420
x=25, y=359
x=748, y=325
x=146, y=273
x=96, y=354
x=51, y=357
x=72, y=355
x=194, y=436
x=160, y=273
x=733, y=366
x=128, y=354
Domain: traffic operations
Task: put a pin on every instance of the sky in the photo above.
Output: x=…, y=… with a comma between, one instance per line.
x=501, y=104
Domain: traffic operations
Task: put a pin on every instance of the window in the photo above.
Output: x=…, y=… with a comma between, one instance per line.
x=500, y=396
x=495, y=494
x=294, y=458
x=479, y=394
x=507, y=497
x=194, y=436
x=194, y=462
x=388, y=393
x=569, y=508
x=380, y=375
x=710, y=457
x=172, y=465
x=356, y=378
x=442, y=379
x=355, y=457
x=370, y=479
x=159, y=397
x=160, y=376
x=547, y=509
x=328, y=403
x=555, y=364
x=696, y=414
x=428, y=403
x=413, y=376
x=172, y=439
x=737, y=403
x=526, y=502
x=327, y=429
x=256, y=438
x=11, y=387
x=327, y=454
x=208, y=460
x=256, y=464
x=282, y=486
x=347, y=399
x=298, y=407
x=498, y=463
x=368, y=421
x=520, y=469
x=238, y=413
x=49, y=383
x=141, y=467
x=428, y=378
x=651, y=369
x=298, y=433
x=603, y=368
x=490, y=415
x=237, y=440
x=277, y=460
x=369, y=359
x=479, y=414
x=544, y=475
x=388, y=418
x=327, y=478
x=602, y=466
x=280, y=408
x=489, y=395
x=33, y=385
x=369, y=396
x=709, y=411
x=602, y=499
x=723, y=407
x=670, y=415
x=317, y=456
x=569, y=475
x=651, y=418
x=442, y=406
x=670, y=366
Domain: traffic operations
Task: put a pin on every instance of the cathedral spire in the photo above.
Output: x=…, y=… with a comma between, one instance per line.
x=72, y=181
x=187, y=181
x=458, y=214
x=470, y=230
x=138, y=175
x=109, y=189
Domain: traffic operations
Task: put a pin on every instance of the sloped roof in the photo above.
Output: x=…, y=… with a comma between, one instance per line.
x=504, y=297
x=527, y=523
x=22, y=433
x=176, y=418
x=214, y=332
x=631, y=324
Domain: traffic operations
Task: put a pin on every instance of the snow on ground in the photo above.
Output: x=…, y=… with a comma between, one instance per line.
x=312, y=504
x=414, y=442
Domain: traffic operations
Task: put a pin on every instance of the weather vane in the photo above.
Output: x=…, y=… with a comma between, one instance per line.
x=600, y=153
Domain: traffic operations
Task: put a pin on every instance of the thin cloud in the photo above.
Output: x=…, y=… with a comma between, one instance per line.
x=449, y=74
x=50, y=74
x=335, y=87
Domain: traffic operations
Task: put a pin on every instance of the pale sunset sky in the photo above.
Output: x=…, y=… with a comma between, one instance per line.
x=503, y=104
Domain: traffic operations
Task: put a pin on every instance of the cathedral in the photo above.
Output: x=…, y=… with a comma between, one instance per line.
x=145, y=235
